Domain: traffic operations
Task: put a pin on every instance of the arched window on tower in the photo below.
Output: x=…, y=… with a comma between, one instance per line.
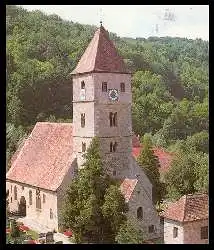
x=115, y=147
x=82, y=120
x=111, y=119
x=140, y=213
x=30, y=197
x=111, y=147
x=115, y=120
x=15, y=193
x=83, y=146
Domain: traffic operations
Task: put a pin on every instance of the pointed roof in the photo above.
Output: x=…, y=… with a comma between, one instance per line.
x=101, y=56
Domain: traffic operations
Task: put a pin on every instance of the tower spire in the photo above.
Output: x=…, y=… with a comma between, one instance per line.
x=101, y=17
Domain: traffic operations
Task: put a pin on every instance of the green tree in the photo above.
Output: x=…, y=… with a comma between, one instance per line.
x=150, y=164
x=129, y=234
x=86, y=208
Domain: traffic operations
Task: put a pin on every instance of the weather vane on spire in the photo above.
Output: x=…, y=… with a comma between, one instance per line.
x=101, y=17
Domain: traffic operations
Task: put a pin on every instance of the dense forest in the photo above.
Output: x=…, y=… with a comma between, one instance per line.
x=169, y=84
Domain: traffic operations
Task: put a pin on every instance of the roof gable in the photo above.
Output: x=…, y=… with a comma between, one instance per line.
x=45, y=157
x=100, y=56
x=127, y=187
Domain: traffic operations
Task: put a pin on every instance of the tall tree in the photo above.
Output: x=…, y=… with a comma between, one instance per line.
x=150, y=164
x=88, y=199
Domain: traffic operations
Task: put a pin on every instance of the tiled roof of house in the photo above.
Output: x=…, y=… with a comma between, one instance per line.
x=100, y=56
x=127, y=187
x=164, y=158
x=45, y=157
x=188, y=208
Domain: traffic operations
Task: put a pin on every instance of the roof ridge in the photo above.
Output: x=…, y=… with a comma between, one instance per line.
x=98, y=40
x=185, y=203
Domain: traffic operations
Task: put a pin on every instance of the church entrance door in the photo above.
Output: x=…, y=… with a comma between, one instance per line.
x=22, y=206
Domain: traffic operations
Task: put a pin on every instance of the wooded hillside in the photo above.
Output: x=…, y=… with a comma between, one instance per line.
x=170, y=81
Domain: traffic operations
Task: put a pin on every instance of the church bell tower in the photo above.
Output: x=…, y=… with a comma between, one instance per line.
x=102, y=104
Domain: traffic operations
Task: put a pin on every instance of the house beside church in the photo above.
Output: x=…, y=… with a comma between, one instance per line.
x=45, y=164
x=186, y=220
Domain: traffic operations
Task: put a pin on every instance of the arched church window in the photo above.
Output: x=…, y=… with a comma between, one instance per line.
x=140, y=213
x=30, y=197
x=111, y=119
x=83, y=146
x=104, y=87
x=115, y=147
x=38, y=199
x=115, y=120
x=51, y=213
x=82, y=120
x=15, y=193
x=122, y=87
x=82, y=85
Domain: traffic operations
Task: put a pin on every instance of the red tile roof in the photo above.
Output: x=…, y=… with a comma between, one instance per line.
x=45, y=156
x=164, y=158
x=188, y=208
x=127, y=187
x=100, y=56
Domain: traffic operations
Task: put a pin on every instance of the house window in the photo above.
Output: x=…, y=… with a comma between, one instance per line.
x=104, y=87
x=11, y=199
x=114, y=172
x=44, y=198
x=30, y=197
x=151, y=229
x=51, y=214
x=15, y=193
x=113, y=119
x=23, y=187
x=82, y=85
x=83, y=146
x=38, y=200
x=140, y=213
x=175, y=232
x=204, y=233
x=82, y=120
x=122, y=87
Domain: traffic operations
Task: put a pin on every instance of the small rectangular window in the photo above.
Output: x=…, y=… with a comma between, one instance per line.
x=23, y=187
x=204, y=233
x=175, y=232
x=114, y=172
x=122, y=87
x=104, y=87
x=11, y=199
x=83, y=146
x=82, y=120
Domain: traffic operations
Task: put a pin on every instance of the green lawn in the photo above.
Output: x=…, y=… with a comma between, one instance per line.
x=33, y=234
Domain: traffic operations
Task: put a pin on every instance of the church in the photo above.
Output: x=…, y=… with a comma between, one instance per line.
x=43, y=166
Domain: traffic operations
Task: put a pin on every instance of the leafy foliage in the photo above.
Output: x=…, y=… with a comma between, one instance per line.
x=129, y=234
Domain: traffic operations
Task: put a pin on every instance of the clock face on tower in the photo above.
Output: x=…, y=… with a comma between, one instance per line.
x=113, y=94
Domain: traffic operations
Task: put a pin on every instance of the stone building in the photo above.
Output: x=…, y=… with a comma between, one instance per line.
x=44, y=166
x=186, y=220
